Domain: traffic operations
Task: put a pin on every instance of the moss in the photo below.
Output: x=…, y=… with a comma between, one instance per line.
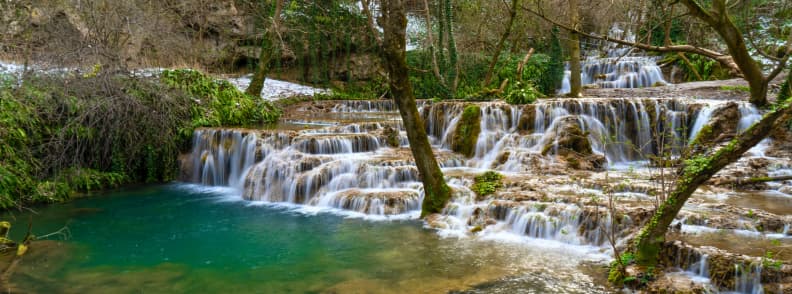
x=745, y=89
x=467, y=131
x=434, y=204
x=486, y=184
x=615, y=275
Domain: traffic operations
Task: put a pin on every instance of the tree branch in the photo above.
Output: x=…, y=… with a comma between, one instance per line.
x=724, y=59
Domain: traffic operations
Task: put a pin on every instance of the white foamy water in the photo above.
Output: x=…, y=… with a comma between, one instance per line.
x=276, y=89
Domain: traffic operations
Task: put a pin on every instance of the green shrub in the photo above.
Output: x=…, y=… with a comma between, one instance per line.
x=522, y=93
x=72, y=133
x=218, y=102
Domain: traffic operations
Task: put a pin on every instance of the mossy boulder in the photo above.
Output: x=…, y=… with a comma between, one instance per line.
x=722, y=126
x=572, y=144
x=467, y=131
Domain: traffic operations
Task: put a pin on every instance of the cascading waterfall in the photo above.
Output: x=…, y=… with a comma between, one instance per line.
x=222, y=157
x=352, y=167
x=619, y=67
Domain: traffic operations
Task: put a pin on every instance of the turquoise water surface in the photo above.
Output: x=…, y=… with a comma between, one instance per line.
x=184, y=238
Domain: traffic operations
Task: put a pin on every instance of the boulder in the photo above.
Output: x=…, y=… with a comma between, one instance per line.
x=572, y=145
x=467, y=131
x=722, y=127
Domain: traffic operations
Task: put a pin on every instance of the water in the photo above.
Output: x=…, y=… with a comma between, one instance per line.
x=184, y=238
x=618, y=67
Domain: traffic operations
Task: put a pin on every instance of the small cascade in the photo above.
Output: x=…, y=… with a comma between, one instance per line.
x=222, y=157
x=748, y=279
x=617, y=71
x=618, y=67
x=498, y=124
x=700, y=268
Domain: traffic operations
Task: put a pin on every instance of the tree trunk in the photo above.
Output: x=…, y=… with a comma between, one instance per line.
x=499, y=47
x=268, y=48
x=574, y=51
x=394, y=23
x=453, y=76
x=697, y=171
x=431, y=45
x=718, y=18
x=668, y=25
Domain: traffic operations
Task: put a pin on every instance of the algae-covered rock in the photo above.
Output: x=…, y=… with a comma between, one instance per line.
x=467, y=131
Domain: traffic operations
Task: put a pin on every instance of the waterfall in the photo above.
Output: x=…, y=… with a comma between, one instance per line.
x=222, y=157
x=618, y=67
x=616, y=71
x=748, y=279
x=352, y=166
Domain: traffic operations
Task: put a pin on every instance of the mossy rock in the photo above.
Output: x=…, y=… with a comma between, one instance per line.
x=467, y=131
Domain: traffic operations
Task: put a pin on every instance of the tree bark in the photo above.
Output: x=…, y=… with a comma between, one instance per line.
x=394, y=23
x=697, y=171
x=268, y=49
x=501, y=42
x=574, y=51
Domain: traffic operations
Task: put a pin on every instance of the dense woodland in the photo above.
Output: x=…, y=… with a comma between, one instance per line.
x=84, y=114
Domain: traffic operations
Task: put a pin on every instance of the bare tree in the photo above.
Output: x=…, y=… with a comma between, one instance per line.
x=269, y=46
x=574, y=50
x=499, y=47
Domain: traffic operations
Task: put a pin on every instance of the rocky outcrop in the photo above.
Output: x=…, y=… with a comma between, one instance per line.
x=724, y=267
x=572, y=145
x=722, y=127
x=467, y=131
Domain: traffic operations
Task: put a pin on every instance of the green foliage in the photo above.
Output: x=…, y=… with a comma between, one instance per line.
x=86, y=179
x=745, y=89
x=487, y=183
x=357, y=91
x=707, y=68
x=65, y=134
x=522, y=93
x=769, y=262
x=541, y=71
x=219, y=102
x=555, y=67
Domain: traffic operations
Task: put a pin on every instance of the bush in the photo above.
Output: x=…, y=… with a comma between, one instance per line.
x=219, y=103
x=522, y=93
x=65, y=134
x=540, y=71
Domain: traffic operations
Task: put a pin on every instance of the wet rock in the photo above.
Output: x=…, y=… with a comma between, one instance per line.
x=722, y=264
x=722, y=127
x=572, y=145
x=392, y=136
x=186, y=167
x=781, y=146
x=527, y=119
x=467, y=131
x=786, y=190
